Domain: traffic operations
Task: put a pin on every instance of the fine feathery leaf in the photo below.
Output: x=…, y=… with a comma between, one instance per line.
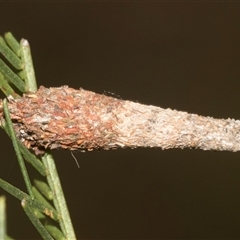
x=19, y=72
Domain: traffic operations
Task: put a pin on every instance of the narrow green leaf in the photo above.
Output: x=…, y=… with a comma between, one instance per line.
x=3, y=219
x=44, y=189
x=11, y=56
x=28, y=156
x=17, y=193
x=6, y=88
x=38, y=195
x=32, y=159
x=2, y=41
x=55, y=232
x=59, y=200
x=41, y=199
x=22, y=74
x=12, y=77
x=16, y=148
x=35, y=221
x=31, y=84
x=13, y=43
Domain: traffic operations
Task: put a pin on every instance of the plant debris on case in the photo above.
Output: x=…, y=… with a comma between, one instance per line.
x=79, y=119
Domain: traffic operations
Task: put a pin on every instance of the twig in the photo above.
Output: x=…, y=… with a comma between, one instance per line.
x=79, y=119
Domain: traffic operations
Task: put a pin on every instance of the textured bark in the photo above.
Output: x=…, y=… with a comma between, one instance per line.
x=79, y=119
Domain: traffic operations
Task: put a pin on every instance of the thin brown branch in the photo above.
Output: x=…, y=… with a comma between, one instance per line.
x=79, y=119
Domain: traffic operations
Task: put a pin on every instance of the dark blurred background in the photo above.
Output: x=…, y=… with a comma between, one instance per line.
x=180, y=55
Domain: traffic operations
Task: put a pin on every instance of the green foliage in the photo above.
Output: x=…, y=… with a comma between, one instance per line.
x=48, y=214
